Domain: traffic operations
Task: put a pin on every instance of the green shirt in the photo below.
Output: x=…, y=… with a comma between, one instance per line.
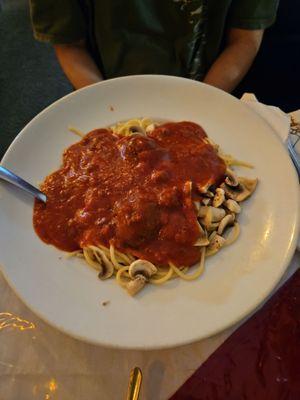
x=174, y=37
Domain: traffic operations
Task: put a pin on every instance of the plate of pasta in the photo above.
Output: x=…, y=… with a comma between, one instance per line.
x=171, y=212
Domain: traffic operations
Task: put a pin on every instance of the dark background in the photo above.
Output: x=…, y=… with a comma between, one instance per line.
x=30, y=78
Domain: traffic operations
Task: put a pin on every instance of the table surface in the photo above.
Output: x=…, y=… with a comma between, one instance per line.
x=39, y=362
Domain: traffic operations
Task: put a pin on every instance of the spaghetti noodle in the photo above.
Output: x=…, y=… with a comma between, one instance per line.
x=188, y=212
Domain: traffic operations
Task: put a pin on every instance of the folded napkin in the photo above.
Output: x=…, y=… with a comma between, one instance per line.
x=279, y=121
x=260, y=360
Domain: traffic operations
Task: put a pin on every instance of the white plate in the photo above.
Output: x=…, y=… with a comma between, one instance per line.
x=68, y=294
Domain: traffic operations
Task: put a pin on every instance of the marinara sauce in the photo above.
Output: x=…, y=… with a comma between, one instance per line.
x=135, y=192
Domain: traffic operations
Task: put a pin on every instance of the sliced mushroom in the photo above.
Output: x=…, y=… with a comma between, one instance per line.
x=233, y=215
x=107, y=267
x=217, y=214
x=228, y=220
x=216, y=243
x=212, y=214
x=206, y=220
x=137, y=284
x=241, y=192
x=238, y=193
x=142, y=267
x=219, y=197
x=211, y=236
x=233, y=206
x=231, y=178
x=202, y=240
x=250, y=184
x=233, y=234
x=213, y=226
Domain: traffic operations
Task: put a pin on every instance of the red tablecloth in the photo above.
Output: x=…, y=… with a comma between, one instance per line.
x=260, y=360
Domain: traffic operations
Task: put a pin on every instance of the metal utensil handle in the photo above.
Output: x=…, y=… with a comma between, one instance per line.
x=294, y=156
x=10, y=177
x=134, y=385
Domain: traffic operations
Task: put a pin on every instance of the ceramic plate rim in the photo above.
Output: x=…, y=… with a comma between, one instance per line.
x=288, y=252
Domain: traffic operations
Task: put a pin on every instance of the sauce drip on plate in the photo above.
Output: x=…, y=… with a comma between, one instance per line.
x=133, y=192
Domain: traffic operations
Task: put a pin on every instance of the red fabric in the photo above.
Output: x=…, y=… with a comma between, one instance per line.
x=259, y=361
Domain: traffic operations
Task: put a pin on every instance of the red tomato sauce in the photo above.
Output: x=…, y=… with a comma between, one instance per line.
x=132, y=192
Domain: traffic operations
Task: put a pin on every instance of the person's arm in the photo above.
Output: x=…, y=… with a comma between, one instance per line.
x=236, y=59
x=77, y=64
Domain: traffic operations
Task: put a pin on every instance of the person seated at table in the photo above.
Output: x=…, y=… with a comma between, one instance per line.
x=214, y=41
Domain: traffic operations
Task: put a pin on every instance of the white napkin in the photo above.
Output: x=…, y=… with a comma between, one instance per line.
x=279, y=120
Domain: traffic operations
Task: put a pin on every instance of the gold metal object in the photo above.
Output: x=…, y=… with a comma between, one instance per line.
x=135, y=381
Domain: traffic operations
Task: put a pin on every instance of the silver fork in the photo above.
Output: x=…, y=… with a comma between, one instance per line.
x=14, y=179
